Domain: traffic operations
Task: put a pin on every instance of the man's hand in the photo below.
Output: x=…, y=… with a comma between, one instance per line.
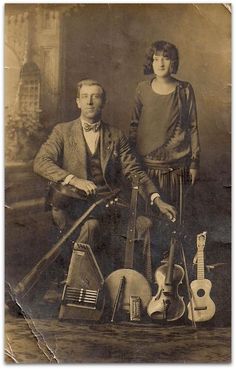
x=83, y=184
x=166, y=209
x=193, y=173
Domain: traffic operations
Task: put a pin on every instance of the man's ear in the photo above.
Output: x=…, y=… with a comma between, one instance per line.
x=78, y=102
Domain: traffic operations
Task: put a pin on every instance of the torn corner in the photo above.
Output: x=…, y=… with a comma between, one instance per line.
x=16, y=310
x=228, y=7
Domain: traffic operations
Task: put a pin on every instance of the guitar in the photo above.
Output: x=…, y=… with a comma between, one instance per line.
x=167, y=304
x=133, y=282
x=203, y=306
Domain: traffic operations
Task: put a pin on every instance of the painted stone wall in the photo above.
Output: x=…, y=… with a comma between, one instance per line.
x=32, y=35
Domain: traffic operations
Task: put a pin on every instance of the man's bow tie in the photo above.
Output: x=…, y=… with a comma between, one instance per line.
x=91, y=126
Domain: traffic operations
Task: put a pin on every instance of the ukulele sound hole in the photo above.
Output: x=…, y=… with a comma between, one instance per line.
x=201, y=292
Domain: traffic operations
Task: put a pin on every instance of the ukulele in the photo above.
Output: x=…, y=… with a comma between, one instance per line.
x=167, y=304
x=203, y=306
x=134, y=284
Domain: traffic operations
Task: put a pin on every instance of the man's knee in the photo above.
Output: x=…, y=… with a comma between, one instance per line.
x=89, y=232
x=59, y=218
x=92, y=225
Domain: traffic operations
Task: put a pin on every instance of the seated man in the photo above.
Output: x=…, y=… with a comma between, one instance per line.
x=87, y=154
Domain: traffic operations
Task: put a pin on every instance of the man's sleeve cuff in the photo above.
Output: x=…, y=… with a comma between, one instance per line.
x=67, y=180
x=154, y=196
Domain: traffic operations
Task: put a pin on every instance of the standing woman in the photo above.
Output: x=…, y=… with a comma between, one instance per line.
x=164, y=124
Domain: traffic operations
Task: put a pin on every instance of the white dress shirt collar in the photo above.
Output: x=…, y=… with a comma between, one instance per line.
x=90, y=126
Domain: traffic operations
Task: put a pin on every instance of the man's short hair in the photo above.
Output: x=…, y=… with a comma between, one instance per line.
x=90, y=82
x=167, y=49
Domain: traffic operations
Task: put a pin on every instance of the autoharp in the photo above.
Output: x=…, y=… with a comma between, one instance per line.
x=83, y=295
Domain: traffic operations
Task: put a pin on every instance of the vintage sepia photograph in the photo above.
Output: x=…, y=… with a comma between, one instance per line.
x=117, y=128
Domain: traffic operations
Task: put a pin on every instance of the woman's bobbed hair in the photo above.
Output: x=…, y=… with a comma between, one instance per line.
x=167, y=49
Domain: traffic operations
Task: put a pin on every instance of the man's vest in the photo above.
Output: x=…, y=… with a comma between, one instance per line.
x=94, y=169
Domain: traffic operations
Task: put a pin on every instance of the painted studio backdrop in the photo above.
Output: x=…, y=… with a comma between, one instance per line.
x=49, y=48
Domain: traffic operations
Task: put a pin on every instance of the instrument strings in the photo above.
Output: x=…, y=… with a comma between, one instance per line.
x=81, y=295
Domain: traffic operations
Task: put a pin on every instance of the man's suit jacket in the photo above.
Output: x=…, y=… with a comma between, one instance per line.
x=65, y=153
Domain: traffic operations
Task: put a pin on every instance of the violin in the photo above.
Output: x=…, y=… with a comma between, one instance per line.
x=167, y=304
